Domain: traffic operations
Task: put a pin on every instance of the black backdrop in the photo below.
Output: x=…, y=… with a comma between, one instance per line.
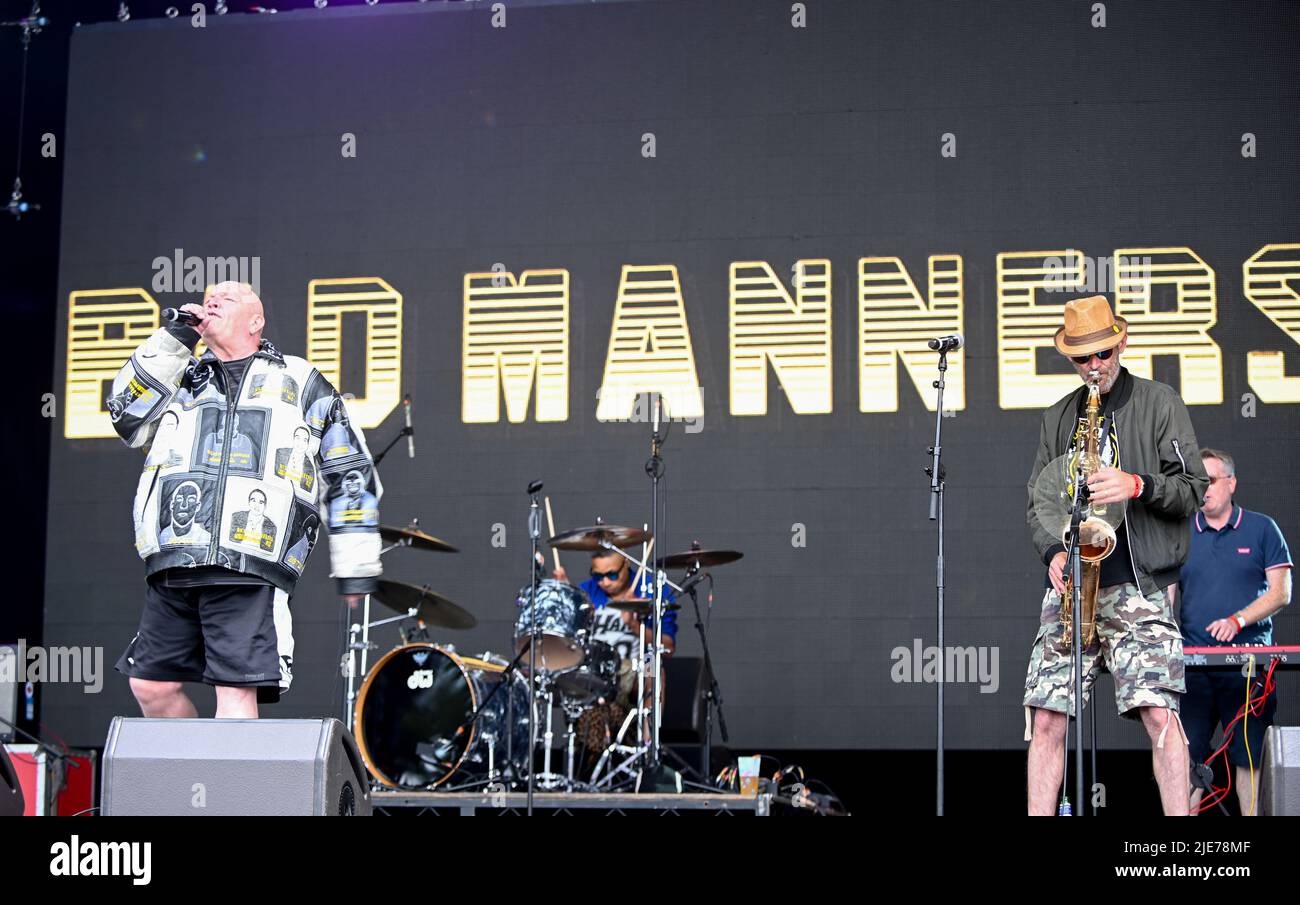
x=522, y=145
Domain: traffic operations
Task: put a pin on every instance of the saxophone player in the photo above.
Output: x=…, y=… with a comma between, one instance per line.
x=1149, y=459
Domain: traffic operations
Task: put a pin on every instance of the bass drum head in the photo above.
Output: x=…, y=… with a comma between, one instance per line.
x=410, y=709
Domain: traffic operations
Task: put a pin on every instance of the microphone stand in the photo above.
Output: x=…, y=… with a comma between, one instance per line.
x=936, y=472
x=407, y=431
x=713, y=693
x=1075, y=564
x=654, y=467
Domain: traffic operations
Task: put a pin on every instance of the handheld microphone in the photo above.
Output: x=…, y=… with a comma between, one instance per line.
x=410, y=435
x=950, y=343
x=173, y=315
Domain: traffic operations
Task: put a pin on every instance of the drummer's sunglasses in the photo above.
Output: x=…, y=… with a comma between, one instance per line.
x=1104, y=355
x=608, y=576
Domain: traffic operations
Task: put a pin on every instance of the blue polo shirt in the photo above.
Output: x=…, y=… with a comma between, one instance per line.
x=1225, y=573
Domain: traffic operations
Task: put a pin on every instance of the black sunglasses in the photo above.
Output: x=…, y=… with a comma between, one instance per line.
x=1104, y=355
x=608, y=576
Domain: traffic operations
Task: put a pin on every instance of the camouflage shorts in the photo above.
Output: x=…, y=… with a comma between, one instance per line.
x=1137, y=636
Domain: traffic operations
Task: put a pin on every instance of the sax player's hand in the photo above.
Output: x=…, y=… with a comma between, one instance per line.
x=1110, y=485
x=1056, y=572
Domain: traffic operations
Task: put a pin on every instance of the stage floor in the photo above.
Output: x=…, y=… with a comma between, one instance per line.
x=466, y=804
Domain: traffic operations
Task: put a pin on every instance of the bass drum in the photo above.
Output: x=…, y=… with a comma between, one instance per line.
x=413, y=709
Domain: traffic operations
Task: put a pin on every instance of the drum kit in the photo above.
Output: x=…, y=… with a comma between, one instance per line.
x=428, y=718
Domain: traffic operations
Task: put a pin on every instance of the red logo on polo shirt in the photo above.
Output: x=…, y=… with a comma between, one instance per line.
x=1245, y=550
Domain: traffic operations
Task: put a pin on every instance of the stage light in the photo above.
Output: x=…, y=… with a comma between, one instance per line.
x=172, y=12
x=17, y=206
x=221, y=9
x=123, y=14
x=320, y=4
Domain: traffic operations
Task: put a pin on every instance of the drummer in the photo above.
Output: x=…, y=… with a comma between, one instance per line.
x=611, y=579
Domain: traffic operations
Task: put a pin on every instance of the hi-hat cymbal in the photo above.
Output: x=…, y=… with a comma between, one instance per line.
x=414, y=537
x=642, y=607
x=432, y=608
x=590, y=538
x=704, y=558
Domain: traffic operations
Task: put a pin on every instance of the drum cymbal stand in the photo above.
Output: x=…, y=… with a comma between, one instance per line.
x=364, y=645
x=348, y=662
x=648, y=744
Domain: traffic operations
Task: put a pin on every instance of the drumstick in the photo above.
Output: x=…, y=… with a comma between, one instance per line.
x=550, y=522
x=646, y=550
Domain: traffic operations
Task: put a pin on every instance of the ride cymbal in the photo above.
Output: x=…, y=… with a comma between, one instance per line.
x=590, y=537
x=431, y=607
x=414, y=537
x=704, y=558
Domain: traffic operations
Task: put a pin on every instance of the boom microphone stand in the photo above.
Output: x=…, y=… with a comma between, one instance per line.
x=936, y=472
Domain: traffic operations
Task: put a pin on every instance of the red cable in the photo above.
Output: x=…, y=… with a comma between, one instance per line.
x=1256, y=708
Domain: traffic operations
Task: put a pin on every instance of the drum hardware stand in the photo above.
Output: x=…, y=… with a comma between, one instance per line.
x=937, y=474
x=534, y=534
x=348, y=666
x=648, y=745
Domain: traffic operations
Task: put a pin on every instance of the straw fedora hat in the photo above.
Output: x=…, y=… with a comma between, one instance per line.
x=1090, y=326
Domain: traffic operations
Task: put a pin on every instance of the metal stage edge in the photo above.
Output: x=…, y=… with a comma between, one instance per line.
x=467, y=803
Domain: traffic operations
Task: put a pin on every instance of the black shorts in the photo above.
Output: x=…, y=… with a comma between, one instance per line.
x=233, y=635
x=1213, y=698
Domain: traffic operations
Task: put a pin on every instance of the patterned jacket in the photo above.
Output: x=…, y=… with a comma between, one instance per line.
x=215, y=489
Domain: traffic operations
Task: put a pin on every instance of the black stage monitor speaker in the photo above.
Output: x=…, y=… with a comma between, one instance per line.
x=1279, y=793
x=233, y=767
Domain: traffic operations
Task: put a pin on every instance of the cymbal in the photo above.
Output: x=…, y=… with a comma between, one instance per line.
x=705, y=558
x=642, y=607
x=414, y=537
x=590, y=538
x=431, y=607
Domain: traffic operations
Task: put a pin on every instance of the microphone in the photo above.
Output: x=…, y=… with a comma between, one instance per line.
x=410, y=435
x=173, y=315
x=657, y=402
x=534, y=486
x=950, y=343
x=693, y=580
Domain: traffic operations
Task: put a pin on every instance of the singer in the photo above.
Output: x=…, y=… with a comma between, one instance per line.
x=223, y=526
x=1150, y=459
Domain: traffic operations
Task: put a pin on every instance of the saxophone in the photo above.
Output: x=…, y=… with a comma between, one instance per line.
x=1096, y=536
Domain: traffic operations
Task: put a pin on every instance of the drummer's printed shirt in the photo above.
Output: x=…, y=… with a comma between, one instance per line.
x=607, y=623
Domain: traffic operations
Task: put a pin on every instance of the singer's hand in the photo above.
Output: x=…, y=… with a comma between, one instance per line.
x=560, y=575
x=199, y=312
x=353, y=600
x=1110, y=485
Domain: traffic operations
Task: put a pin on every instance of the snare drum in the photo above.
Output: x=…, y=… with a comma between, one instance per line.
x=563, y=623
x=413, y=712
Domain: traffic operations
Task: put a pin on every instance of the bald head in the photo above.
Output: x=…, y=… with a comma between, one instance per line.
x=233, y=320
